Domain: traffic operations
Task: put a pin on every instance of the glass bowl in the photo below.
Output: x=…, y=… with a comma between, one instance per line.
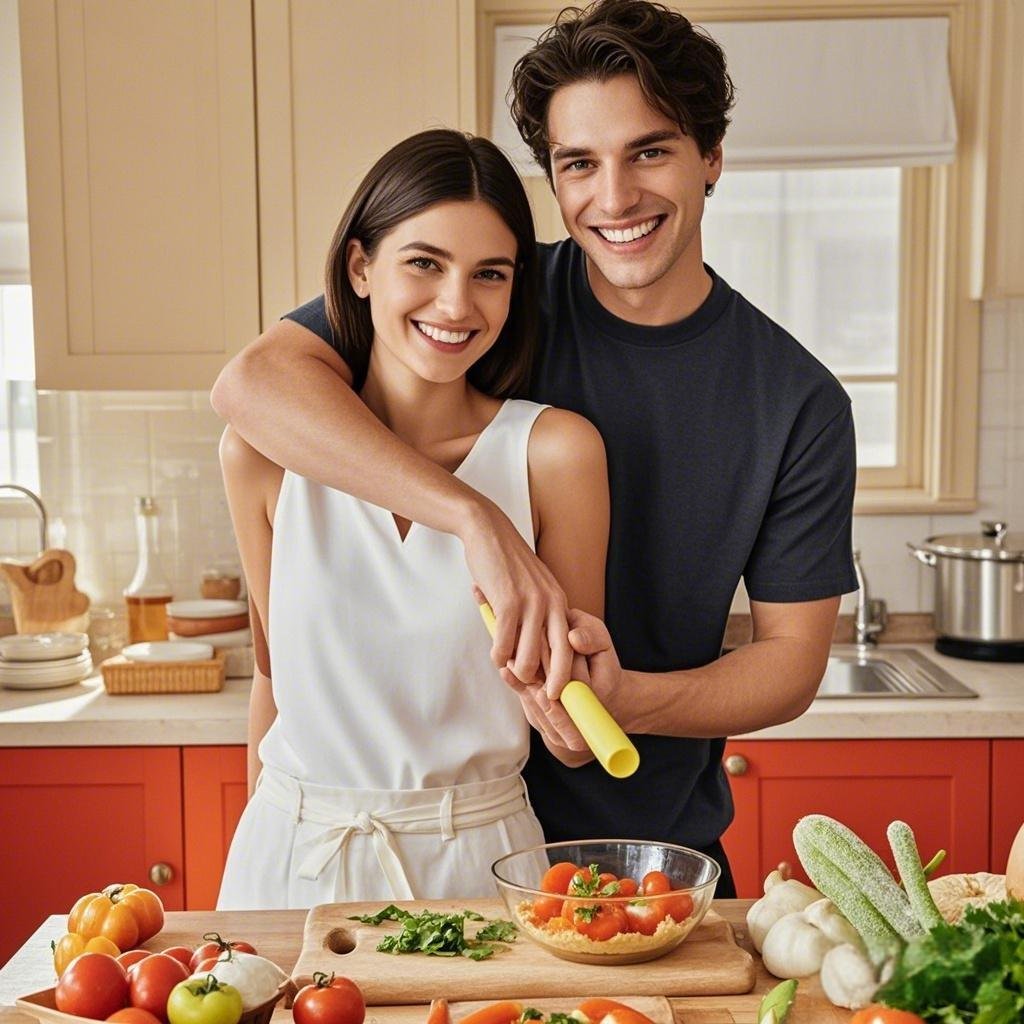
x=602, y=922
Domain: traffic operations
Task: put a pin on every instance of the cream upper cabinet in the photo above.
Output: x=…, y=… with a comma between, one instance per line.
x=338, y=83
x=141, y=157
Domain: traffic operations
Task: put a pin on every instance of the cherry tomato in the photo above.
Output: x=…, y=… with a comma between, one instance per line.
x=505, y=1012
x=151, y=981
x=678, y=906
x=92, y=985
x=133, y=956
x=547, y=907
x=558, y=876
x=204, y=1001
x=655, y=883
x=330, y=1000
x=628, y=887
x=605, y=878
x=599, y=922
x=182, y=953
x=133, y=1015
x=439, y=1012
x=213, y=947
x=644, y=916
x=885, y=1015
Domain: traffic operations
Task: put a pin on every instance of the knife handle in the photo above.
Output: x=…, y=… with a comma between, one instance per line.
x=610, y=745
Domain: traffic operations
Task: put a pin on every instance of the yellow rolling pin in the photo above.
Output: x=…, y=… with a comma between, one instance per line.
x=611, y=746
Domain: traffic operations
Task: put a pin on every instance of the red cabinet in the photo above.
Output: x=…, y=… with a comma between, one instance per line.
x=939, y=787
x=216, y=791
x=79, y=818
x=1007, y=798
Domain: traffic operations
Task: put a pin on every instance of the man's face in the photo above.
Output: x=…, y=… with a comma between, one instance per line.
x=630, y=186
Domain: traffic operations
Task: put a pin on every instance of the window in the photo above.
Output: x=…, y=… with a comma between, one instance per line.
x=819, y=252
x=855, y=223
x=19, y=455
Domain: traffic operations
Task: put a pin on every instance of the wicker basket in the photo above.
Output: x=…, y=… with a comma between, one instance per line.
x=123, y=676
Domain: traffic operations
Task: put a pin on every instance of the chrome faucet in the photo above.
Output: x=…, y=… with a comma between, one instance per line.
x=871, y=612
x=40, y=509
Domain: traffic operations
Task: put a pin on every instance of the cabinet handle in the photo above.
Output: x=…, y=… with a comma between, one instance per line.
x=161, y=874
x=785, y=869
x=736, y=764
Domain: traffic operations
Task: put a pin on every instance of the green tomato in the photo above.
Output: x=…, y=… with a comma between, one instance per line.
x=204, y=1001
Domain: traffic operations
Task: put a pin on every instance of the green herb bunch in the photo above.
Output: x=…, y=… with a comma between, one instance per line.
x=968, y=973
x=439, y=934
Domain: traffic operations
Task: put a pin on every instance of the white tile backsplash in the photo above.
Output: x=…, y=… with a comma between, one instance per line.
x=98, y=450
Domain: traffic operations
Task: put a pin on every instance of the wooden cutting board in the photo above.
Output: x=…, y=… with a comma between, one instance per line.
x=708, y=962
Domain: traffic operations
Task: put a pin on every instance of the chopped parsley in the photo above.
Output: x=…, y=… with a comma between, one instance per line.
x=437, y=934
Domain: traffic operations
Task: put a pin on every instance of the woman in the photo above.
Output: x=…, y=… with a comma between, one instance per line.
x=388, y=747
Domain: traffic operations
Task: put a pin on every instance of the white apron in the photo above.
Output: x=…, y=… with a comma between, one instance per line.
x=391, y=771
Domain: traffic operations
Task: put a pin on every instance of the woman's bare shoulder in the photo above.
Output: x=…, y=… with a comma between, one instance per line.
x=562, y=439
x=240, y=460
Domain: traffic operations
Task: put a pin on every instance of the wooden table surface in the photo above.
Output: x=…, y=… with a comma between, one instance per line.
x=277, y=934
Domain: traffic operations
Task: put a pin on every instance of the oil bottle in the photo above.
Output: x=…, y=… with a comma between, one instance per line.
x=149, y=592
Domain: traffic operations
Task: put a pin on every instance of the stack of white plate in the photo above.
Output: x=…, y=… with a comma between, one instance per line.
x=35, y=661
x=235, y=643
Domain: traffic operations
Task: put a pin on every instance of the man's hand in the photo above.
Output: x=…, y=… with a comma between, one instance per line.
x=589, y=637
x=530, y=607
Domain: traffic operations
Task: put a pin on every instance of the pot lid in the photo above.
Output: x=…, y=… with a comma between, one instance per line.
x=993, y=542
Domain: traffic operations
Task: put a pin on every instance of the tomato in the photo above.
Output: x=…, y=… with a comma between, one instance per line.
x=93, y=985
x=605, y=878
x=599, y=921
x=151, y=981
x=884, y=1015
x=125, y=914
x=655, y=883
x=547, y=907
x=181, y=953
x=679, y=907
x=505, y=1012
x=580, y=880
x=133, y=1015
x=133, y=956
x=558, y=876
x=204, y=1001
x=73, y=944
x=330, y=1000
x=644, y=916
x=628, y=887
x=213, y=947
x=204, y=966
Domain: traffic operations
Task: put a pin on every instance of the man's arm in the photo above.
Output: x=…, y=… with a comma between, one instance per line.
x=771, y=680
x=289, y=395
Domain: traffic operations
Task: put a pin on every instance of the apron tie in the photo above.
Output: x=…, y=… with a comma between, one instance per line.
x=332, y=842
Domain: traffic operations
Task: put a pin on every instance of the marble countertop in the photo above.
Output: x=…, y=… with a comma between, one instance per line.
x=86, y=715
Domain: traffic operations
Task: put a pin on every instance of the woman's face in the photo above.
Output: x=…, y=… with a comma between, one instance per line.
x=439, y=287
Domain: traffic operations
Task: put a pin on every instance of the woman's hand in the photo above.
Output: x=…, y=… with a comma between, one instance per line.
x=529, y=605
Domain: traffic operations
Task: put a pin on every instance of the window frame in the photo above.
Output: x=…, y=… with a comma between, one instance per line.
x=942, y=239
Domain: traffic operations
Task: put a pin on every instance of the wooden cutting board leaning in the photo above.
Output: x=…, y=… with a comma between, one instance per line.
x=43, y=595
x=709, y=962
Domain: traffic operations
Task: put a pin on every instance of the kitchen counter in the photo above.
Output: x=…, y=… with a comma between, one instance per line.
x=277, y=934
x=85, y=715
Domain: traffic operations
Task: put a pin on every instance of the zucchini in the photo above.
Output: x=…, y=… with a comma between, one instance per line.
x=847, y=865
x=915, y=882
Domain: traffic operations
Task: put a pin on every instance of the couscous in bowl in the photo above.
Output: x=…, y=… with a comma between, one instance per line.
x=614, y=901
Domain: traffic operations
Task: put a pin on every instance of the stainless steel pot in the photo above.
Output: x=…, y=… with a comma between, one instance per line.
x=979, y=592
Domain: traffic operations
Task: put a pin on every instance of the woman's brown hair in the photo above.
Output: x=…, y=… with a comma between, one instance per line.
x=431, y=167
x=681, y=70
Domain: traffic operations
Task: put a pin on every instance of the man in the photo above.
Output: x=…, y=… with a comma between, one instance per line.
x=730, y=449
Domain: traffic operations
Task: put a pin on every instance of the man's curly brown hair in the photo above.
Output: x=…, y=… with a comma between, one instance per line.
x=681, y=69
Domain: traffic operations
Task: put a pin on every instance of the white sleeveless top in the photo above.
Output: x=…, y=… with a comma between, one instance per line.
x=380, y=660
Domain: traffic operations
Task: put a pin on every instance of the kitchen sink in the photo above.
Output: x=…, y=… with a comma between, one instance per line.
x=888, y=671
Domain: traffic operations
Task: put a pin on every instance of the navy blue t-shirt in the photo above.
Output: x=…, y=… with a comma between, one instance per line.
x=730, y=454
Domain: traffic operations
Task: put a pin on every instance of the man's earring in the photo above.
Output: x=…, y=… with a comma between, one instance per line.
x=709, y=190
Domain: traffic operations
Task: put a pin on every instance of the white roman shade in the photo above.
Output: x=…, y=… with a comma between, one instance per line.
x=857, y=92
